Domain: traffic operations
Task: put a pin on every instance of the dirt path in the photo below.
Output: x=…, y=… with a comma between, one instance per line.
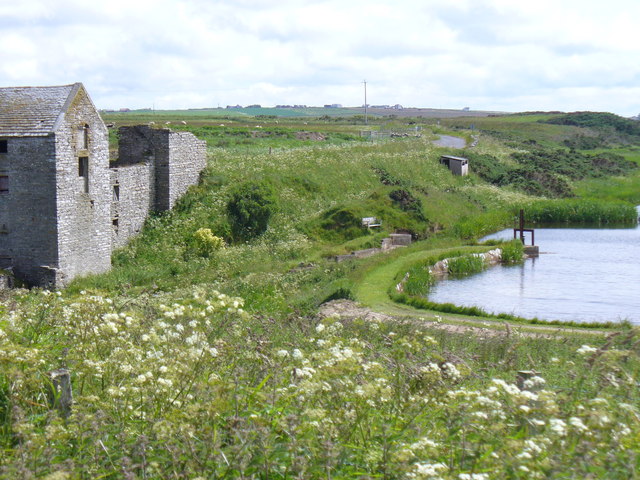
x=348, y=310
x=450, y=142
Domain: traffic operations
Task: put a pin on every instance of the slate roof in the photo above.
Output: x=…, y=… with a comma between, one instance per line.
x=33, y=111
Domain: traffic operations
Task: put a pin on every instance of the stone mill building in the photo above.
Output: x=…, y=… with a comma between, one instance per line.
x=63, y=205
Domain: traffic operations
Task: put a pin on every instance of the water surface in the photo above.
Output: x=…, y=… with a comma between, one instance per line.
x=584, y=275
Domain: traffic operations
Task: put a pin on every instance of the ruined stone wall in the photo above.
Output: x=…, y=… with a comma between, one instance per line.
x=179, y=157
x=154, y=169
x=136, y=144
x=187, y=158
x=83, y=203
x=28, y=215
x=132, y=200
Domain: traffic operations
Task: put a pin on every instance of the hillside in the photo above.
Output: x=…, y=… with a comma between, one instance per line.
x=193, y=362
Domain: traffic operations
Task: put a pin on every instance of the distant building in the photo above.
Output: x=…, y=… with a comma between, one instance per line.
x=457, y=165
x=233, y=107
x=334, y=105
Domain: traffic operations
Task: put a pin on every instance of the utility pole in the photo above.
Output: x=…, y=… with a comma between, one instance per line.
x=366, y=120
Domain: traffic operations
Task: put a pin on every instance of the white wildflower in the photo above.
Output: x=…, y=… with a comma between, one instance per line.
x=586, y=350
x=557, y=426
x=577, y=423
x=534, y=382
x=426, y=470
x=450, y=371
x=473, y=476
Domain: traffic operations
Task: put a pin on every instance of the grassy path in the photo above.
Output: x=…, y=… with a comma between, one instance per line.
x=373, y=285
x=372, y=291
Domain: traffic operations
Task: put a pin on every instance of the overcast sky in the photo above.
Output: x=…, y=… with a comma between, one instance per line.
x=504, y=55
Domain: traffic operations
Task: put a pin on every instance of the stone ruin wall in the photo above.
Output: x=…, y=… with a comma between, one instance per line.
x=154, y=169
x=187, y=159
x=132, y=200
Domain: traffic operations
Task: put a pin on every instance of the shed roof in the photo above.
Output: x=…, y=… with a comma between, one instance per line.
x=451, y=157
x=34, y=111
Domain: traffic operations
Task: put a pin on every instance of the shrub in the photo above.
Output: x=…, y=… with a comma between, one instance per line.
x=205, y=242
x=407, y=203
x=249, y=209
x=599, y=120
x=338, y=224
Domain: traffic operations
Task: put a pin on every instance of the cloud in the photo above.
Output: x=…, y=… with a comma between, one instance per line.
x=487, y=54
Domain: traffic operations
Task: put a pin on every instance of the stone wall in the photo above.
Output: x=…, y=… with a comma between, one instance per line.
x=187, y=158
x=178, y=157
x=28, y=213
x=154, y=169
x=133, y=198
x=83, y=203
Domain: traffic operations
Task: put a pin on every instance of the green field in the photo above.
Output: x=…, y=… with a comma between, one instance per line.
x=189, y=362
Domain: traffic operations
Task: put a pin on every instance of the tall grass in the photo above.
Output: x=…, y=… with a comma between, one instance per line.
x=418, y=280
x=581, y=211
x=512, y=251
x=466, y=265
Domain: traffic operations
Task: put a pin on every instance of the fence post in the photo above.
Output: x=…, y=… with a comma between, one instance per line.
x=60, y=395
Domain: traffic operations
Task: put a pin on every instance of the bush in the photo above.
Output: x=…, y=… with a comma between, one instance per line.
x=249, y=210
x=338, y=224
x=406, y=202
x=205, y=242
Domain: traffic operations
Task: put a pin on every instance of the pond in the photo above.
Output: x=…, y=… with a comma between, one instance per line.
x=582, y=275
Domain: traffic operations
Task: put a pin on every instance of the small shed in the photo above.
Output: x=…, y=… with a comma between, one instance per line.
x=457, y=165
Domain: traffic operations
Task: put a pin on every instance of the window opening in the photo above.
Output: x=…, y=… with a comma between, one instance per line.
x=4, y=183
x=85, y=136
x=83, y=172
x=4, y=146
x=116, y=193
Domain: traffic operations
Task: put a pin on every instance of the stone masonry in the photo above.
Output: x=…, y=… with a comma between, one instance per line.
x=154, y=169
x=63, y=207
